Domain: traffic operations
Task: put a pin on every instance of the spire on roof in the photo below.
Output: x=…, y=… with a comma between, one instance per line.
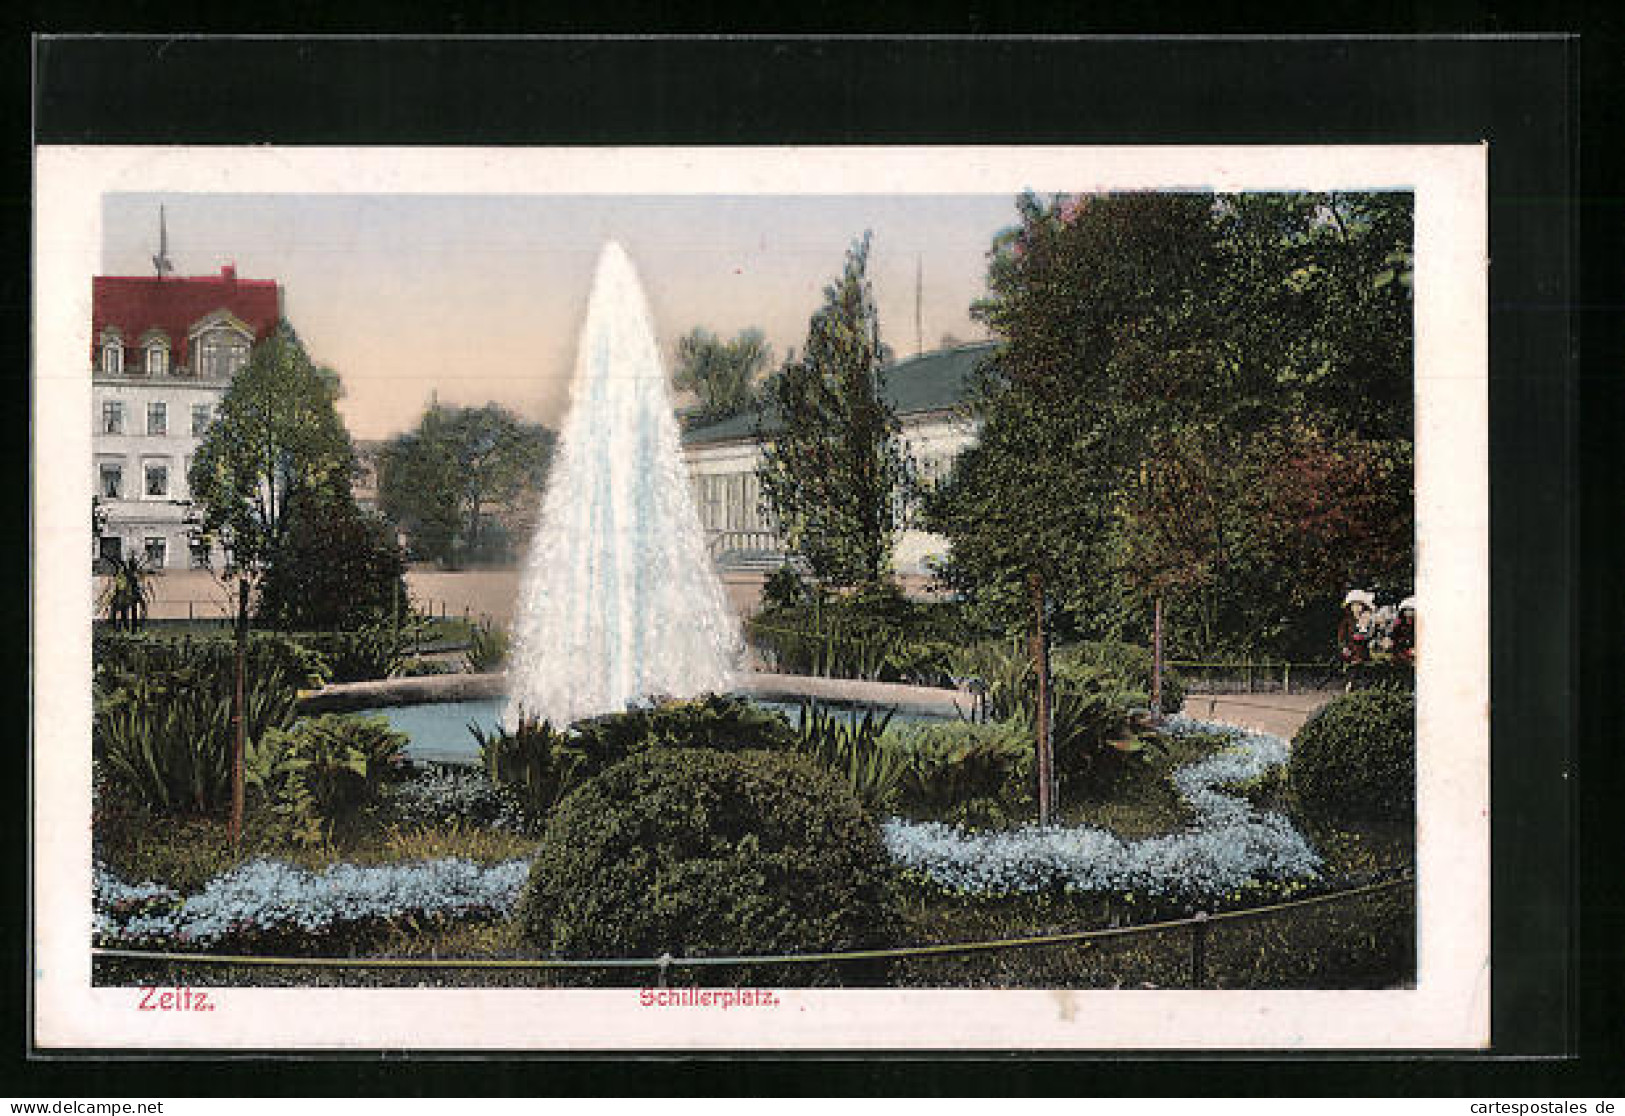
x=160, y=262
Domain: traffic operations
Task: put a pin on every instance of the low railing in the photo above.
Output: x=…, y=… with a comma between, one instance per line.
x=721, y=541
x=1259, y=677
x=1200, y=928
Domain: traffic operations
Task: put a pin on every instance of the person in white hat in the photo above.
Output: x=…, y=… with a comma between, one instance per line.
x=1355, y=628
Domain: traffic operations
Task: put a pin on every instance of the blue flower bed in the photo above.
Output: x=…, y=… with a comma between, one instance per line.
x=267, y=900
x=1230, y=846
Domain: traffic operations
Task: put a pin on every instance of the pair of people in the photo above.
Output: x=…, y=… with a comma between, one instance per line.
x=1366, y=632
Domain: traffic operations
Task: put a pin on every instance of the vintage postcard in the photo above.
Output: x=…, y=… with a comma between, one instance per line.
x=761, y=598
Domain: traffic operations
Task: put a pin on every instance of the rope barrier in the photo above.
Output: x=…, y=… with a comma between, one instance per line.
x=666, y=961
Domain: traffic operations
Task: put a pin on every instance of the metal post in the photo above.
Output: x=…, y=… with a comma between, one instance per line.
x=1156, y=664
x=240, y=733
x=665, y=960
x=1199, y=950
x=1286, y=678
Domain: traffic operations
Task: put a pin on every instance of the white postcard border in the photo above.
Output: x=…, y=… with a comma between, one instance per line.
x=1449, y=1008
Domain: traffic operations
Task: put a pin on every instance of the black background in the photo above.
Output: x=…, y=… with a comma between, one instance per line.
x=1556, y=986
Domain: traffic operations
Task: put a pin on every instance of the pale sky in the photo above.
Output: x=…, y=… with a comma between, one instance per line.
x=480, y=298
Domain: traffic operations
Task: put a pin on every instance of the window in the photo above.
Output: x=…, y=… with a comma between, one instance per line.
x=112, y=548
x=113, y=356
x=200, y=419
x=157, y=551
x=157, y=418
x=221, y=353
x=112, y=481
x=158, y=480
x=157, y=358
x=112, y=417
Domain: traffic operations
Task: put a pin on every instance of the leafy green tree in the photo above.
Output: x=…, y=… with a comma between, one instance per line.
x=445, y=481
x=724, y=374
x=277, y=438
x=1227, y=380
x=338, y=568
x=833, y=468
x=277, y=435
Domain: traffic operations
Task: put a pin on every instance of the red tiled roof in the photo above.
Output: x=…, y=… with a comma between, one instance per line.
x=138, y=303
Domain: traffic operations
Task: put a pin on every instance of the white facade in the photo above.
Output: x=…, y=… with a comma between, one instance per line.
x=149, y=416
x=743, y=534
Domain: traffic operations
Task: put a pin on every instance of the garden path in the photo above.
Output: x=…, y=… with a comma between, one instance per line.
x=1277, y=714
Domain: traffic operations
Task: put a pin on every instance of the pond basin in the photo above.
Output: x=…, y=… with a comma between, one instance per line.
x=439, y=732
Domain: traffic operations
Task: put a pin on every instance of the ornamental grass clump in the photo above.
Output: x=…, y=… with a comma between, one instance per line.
x=695, y=852
x=1355, y=759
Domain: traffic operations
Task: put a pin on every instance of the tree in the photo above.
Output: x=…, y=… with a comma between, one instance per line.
x=1101, y=306
x=277, y=437
x=277, y=434
x=724, y=374
x=338, y=568
x=1182, y=346
x=833, y=468
x=445, y=481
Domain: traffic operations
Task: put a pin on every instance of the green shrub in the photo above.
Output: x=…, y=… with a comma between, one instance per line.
x=165, y=738
x=697, y=852
x=1091, y=711
x=420, y=667
x=541, y=764
x=718, y=721
x=1355, y=759
x=1128, y=663
x=1090, y=705
x=120, y=656
x=875, y=633
x=379, y=650
x=535, y=762
x=977, y=774
x=785, y=589
x=851, y=749
x=320, y=774
x=488, y=646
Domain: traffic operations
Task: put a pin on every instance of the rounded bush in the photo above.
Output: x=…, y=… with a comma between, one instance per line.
x=696, y=852
x=1355, y=759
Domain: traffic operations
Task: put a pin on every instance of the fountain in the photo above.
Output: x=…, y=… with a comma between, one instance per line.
x=619, y=601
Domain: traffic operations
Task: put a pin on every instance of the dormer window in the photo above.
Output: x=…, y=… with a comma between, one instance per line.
x=157, y=353
x=112, y=356
x=221, y=352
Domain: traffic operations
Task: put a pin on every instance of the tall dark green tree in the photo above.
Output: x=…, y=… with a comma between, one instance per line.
x=277, y=439
x=444, y=482
x=277, y=434
x=338, y=568
x=724, y=374
x=1204, y=399
x=833, y=468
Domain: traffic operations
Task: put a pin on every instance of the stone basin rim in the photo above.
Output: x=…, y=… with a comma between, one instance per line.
x=435, y=688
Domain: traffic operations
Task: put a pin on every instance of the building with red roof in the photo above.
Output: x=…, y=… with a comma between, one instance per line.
x=163, y=350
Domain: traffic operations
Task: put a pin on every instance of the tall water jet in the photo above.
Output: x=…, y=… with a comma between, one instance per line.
x=619, y=601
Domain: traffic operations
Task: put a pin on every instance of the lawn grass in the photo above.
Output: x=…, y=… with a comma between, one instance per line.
x=1139, y=800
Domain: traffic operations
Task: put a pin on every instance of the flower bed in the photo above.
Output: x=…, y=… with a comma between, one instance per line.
x=1230, y=845
x=267, y=899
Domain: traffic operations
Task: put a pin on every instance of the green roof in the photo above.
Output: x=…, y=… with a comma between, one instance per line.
x=934, y=381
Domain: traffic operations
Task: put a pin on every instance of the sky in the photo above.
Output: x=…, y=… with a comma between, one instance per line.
x=480, y=298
